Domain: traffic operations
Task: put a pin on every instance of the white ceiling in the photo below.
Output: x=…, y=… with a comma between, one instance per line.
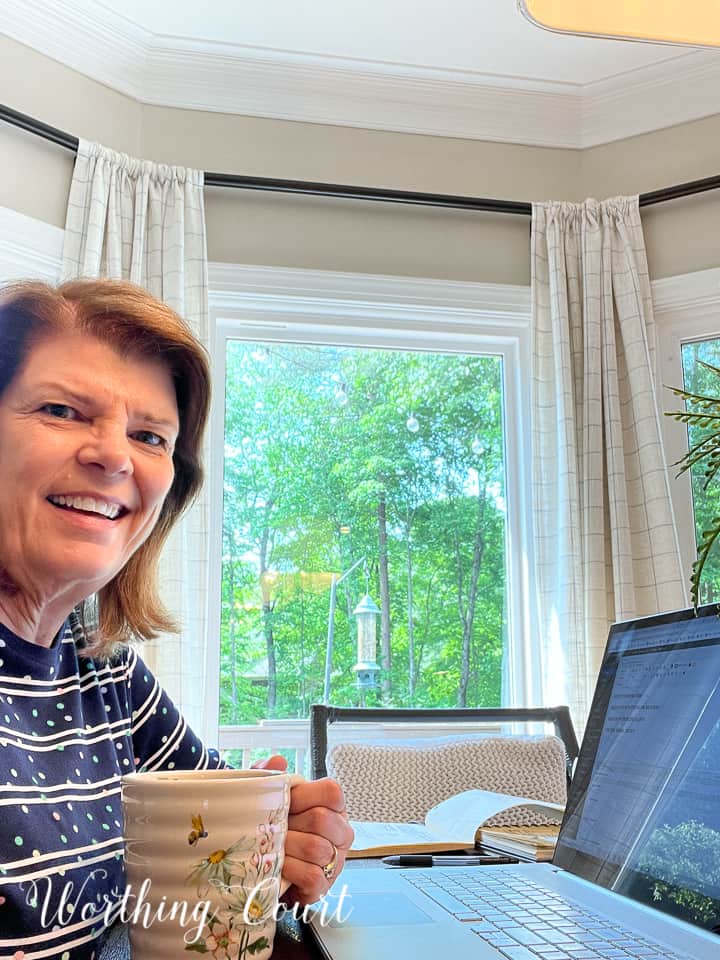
x=481, y=36
x=469, y=68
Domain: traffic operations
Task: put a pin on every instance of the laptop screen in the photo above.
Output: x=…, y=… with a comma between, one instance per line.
x=643, y=814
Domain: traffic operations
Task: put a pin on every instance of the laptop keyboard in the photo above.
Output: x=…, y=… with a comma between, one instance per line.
x=525, y=921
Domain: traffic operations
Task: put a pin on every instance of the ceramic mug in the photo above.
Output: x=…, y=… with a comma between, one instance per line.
x=203, y=856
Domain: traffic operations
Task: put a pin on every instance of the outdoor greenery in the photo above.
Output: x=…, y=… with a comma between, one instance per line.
x=702, y=415
x=679, y=861
x=335, y=454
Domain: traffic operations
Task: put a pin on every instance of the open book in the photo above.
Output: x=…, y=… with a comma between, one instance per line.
x=460, y=822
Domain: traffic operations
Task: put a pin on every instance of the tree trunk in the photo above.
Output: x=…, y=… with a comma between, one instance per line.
x=384, y=601
x=425, y=627
x=267, y=614
x=410, y=623
x=272, y=664
x=233, y=644
x=228, y=579
x=303, y=705
x=468, y=616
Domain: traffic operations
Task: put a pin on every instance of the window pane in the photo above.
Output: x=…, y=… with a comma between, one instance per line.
x=706, y=501
x=389, y=459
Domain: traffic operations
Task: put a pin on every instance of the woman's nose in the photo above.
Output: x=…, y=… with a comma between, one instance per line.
x=109, y=449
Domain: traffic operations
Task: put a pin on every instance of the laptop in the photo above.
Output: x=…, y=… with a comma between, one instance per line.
x=636, y=871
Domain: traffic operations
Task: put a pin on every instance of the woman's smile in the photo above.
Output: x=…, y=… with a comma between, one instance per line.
x=93, y=514
x=88, y=504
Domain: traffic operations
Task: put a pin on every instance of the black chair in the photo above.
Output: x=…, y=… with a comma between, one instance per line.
x=322, y=715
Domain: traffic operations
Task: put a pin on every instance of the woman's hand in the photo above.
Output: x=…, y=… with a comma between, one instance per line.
x=317, y=827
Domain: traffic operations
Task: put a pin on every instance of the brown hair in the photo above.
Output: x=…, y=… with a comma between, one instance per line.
x=134, y=323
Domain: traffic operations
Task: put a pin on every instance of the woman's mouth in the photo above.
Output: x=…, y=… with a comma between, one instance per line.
x=88, y=505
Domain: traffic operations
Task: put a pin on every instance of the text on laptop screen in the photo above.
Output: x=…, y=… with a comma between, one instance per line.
x=643, y=815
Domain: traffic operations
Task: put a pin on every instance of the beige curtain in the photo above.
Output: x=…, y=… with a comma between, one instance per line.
x=145, y=222
x=604, y=534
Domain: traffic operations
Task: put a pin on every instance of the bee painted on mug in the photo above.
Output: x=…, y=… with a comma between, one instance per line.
x=198, y=829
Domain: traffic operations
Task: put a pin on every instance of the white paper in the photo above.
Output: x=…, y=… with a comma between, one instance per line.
x=368, y=835
x=458, y=818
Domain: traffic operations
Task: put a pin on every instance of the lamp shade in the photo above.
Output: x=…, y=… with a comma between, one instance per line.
x=694, y=22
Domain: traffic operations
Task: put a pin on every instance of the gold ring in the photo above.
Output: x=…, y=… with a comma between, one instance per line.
x=329, y=868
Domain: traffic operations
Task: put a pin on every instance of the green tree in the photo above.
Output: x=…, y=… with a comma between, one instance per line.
x=680, y=861
x=333, y=454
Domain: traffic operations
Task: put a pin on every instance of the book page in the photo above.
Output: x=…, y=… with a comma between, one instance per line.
x=459, y=817
x=377, y=839
x=450, y=825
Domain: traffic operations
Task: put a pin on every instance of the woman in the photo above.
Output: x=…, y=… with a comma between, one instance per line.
x=104, y=396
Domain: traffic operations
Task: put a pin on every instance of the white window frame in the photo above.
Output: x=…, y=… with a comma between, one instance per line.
x=30, y=249
x=687, y=308
x=305, y=306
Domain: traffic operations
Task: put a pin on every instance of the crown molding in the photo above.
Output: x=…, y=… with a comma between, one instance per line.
x=85, y=37
x=251, y=81
x=678, y=90
x=216, y=77
x=367, y=95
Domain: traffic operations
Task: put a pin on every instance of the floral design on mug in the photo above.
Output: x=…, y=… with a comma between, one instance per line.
x=219, y=867
x=246, y=875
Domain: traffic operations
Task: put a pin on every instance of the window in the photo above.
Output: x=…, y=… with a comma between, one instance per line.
x=390, y=454
x=698, y=379
x=385, y=468
x=689, y=331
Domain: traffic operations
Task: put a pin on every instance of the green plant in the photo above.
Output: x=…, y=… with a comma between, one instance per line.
x=679, y=862
x=703, y=414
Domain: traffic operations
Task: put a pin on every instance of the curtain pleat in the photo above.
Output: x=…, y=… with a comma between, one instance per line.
x=145, y=222
x=604, y=534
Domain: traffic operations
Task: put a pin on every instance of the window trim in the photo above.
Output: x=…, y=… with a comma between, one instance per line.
x=411, y=313
x=29, y=248
x=687, y=307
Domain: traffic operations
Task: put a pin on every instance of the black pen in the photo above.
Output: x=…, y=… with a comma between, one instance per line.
x=430, y=860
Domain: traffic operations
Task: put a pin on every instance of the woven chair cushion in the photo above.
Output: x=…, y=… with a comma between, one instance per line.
x=400, y=781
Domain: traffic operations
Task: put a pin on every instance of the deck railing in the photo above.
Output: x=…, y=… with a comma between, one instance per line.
x=241, y=745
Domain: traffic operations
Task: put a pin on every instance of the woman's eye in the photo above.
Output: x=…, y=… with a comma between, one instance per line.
x=150, y=438
x=60, y=411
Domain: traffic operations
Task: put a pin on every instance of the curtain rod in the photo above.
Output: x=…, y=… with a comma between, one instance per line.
x=273, y=185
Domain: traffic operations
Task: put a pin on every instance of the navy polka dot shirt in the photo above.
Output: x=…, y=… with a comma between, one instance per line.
x=70, y=727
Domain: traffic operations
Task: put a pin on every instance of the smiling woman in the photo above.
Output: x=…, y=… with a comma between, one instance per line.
x=103, y=399
x=57, y=351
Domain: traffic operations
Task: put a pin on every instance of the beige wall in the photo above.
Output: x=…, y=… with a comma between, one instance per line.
x=681, y=235
x=355, y=236
x=358, y=236
x=36, y=174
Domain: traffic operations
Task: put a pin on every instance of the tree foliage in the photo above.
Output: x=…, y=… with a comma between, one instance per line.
x=701, y=394
x=334, y=454
x=680, y=861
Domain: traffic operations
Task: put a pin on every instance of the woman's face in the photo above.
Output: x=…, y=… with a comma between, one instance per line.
x=86, y=441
